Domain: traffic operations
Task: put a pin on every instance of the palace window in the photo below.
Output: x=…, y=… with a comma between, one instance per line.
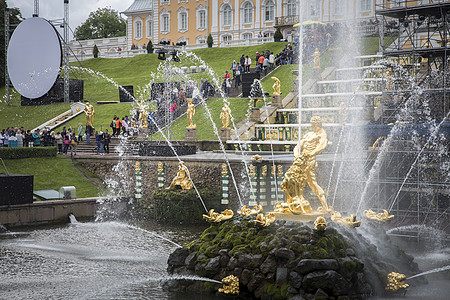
x=365, y=5
x=138, y=28
x=149, y=26
x=227, y=15
x=314, y=8
x=269, y=11
x=247, y=36
x=339, y=7
x=248, y=13
x=165, y=22
x=182, y=18
x=201, y=17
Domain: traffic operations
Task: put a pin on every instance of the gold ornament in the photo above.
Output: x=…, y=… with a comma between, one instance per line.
x=247, y=212
x=266, y=220
x=138, y=166
x=276, y=87
x=349, y=221
x=396, y=281
x=224, y=170
x=160, y=167
x=257, y=157
x=264, y=171
x=216, y=217
x=320, y=224
x=90, y=113
x=230, y=285
x=190, y=112
x=252, y=172
x=381, y=217
x=182, y=178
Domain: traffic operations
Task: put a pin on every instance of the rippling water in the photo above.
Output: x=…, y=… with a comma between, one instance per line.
x=108, y=260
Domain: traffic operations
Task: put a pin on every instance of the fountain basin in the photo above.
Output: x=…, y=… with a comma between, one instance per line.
x=149, y=148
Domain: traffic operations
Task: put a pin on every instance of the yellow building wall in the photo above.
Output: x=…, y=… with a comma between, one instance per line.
x=144, y=39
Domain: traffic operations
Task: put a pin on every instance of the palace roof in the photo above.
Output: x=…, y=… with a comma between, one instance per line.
x=139, y=5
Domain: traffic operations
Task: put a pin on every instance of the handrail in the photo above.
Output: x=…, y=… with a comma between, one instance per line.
x=7, y=173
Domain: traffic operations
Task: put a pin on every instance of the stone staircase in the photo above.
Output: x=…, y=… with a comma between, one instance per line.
x=338, y=95
x=128, y=148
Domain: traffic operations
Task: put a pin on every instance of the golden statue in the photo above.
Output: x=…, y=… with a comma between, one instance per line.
x=190, y=114
x=230, y=285
x=349, y=221
x=143, y=108
x=90, y=113
x=213, y=216
x=247, y=212
x=293, y=183
x=257, y=157
x=396, y=281
x=225, y=116
x=320, y=224
x=266, y=220
x=316, y=56
x=182, y=178
x=224, y=170
x=381, y=217
x=312, y=144
x=276, y=87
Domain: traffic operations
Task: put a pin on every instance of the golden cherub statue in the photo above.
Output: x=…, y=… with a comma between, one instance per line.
x=143, y=109
x=213, y=216
x=276, y=87
x=230, y=285
x=316, y=56
x=381, y=217
x=190, y=112
x=182, y=178
x=90, y=113
x=225, y=116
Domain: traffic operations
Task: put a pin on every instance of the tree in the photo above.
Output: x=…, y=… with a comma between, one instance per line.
x=150, y=47
x=95, y=51
x=277, y=36
x=102, y=23
x=210, y=41
x=15, y=17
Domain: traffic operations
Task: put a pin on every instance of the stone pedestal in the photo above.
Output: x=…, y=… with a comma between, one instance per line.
x=255, y=115
x=191, y=134
x=142, y=134
x=316, y=73
x=276, y=101
x=225, y=134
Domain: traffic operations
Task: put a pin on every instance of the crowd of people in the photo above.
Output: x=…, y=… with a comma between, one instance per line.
x=65, y=140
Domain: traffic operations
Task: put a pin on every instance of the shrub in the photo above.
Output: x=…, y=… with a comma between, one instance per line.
x=95, y=51
x=26, y=152
x=150, y=47
x=210, y=41
x=277, y=36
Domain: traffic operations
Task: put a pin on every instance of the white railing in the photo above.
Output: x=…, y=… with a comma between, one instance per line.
x=246, y=42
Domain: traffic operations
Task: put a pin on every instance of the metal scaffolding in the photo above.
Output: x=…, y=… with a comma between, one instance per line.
x=66, y=52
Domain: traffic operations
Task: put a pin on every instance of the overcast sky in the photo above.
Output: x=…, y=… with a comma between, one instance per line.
x=78, y=9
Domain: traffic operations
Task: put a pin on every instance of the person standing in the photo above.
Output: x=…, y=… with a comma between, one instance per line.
x=228, y=86
x=237, y=77
x=59, y=142
x=271, y=60
x=101, y=141
x=113, y=126
x=36, y=138
x=89, y=131
x=107, y=141
x=19, y=137
x=242, y=60
x=118, y=125
x=248, y=63
x=80, y=132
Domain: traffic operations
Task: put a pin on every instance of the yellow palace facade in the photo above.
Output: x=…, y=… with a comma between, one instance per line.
x=235, y=22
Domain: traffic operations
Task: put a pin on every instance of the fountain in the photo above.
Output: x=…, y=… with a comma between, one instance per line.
x=257, y=254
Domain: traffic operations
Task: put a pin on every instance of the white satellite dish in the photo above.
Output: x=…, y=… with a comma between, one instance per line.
x=34, y=57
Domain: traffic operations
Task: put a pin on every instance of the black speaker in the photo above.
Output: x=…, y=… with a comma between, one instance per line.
x=126, y=93
x=16, y=189
x=56, y=93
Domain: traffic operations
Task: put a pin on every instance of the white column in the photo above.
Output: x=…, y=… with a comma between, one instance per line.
x=156, y=21
x=129, y=32
x=215, y=16
x=258, y=14
x=279, y=8
x=236, y=14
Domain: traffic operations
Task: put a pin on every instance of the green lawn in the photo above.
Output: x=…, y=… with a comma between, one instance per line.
x=53, y=173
